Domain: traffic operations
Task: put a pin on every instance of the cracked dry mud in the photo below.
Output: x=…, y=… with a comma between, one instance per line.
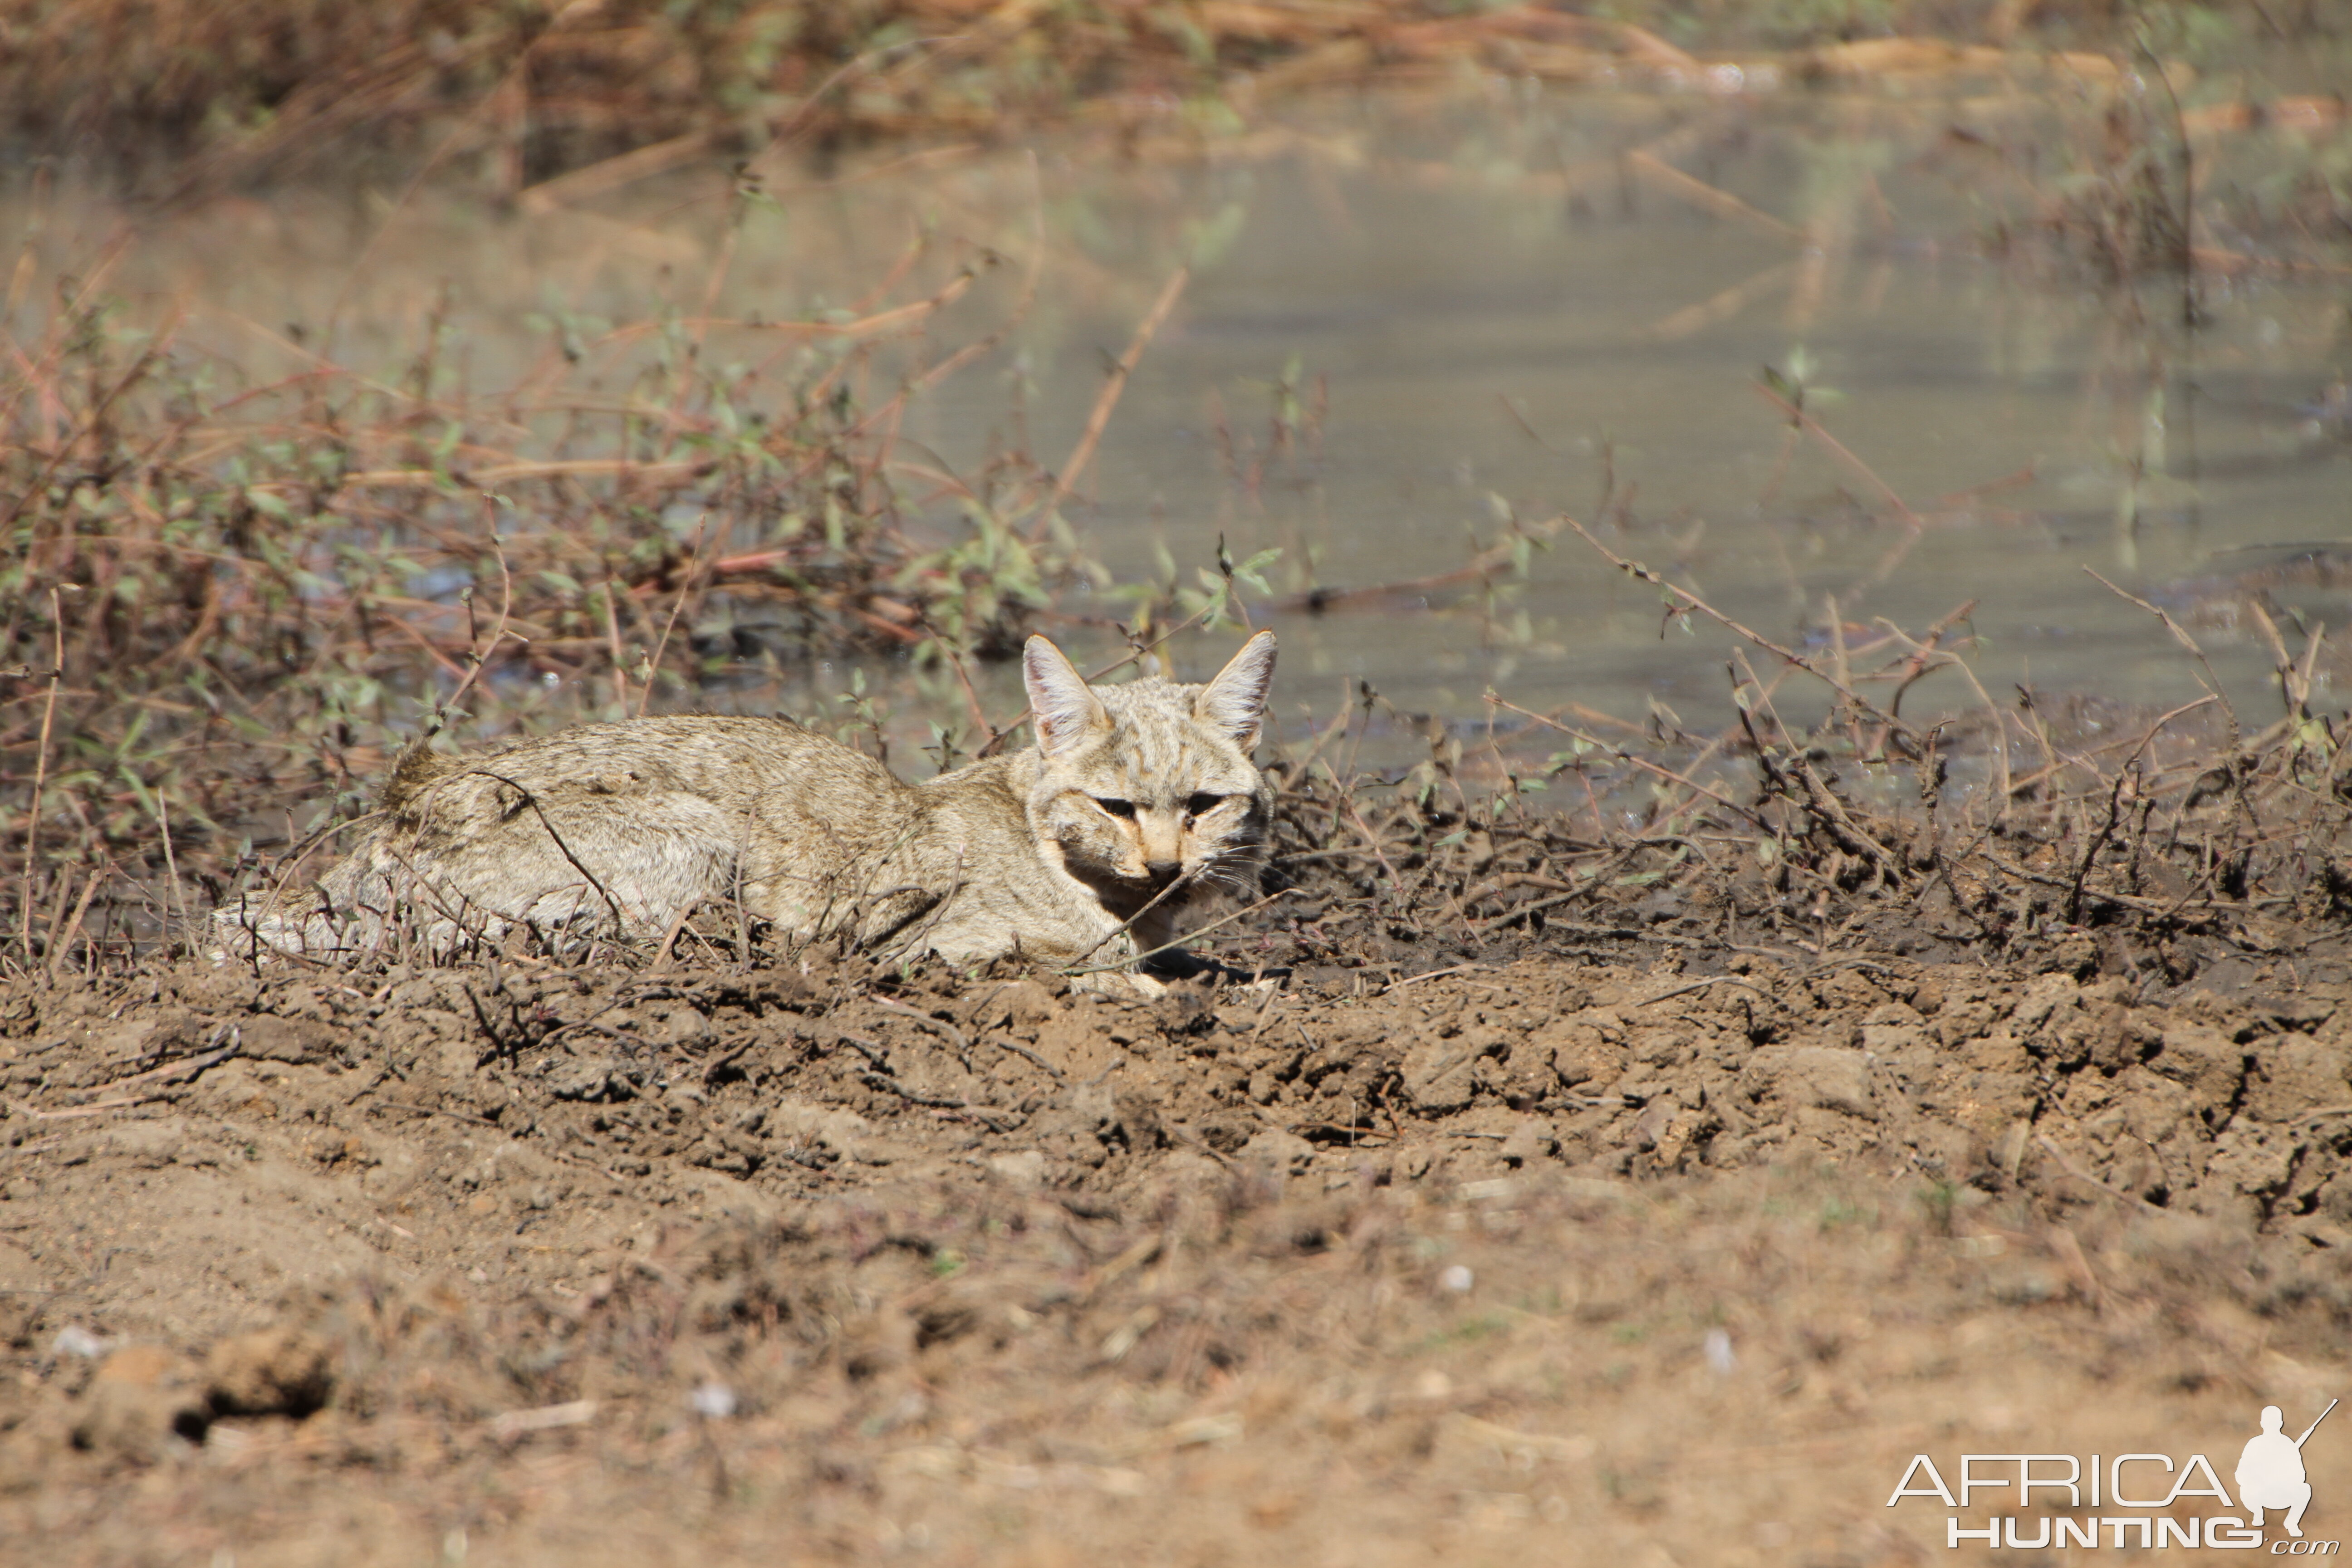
x=518, y=1265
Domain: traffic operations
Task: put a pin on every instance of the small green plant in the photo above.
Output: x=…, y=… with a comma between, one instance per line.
x=1212, y=601
x=1940, y=1201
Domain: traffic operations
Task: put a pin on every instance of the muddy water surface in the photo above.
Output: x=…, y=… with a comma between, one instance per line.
x=1409, y=326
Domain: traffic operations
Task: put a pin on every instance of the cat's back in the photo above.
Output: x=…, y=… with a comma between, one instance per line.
x=748, y=762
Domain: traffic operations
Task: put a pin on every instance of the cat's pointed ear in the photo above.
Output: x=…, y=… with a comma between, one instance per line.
x=1065, y=707
x=1235, y=700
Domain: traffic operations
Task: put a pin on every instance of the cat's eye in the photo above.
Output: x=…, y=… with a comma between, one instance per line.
x=1202, y=805
x=1116, y=808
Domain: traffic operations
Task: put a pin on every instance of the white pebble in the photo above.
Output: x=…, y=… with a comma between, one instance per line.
x=1456, y=1279
x=714, y=1401
x=75, y=1339
x=1717, y=1346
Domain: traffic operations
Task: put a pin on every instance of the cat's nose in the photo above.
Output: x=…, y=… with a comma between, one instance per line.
x=1164, y=872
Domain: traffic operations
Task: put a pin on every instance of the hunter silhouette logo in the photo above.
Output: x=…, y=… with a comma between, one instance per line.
x=2270, y=1472
x=2128, y=1500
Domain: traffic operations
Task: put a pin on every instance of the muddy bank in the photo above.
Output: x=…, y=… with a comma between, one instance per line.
x=625, y=1266
x=455, y=1095
x=204, y=97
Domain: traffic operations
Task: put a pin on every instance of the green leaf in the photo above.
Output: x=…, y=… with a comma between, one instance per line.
x=1205, y=243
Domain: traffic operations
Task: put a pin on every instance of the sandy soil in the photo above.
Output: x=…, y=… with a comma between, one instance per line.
x=1664, y=1261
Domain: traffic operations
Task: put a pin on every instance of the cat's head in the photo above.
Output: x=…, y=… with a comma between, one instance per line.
x=1149, y=786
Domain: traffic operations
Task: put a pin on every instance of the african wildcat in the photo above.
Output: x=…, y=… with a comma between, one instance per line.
x=1135, y=799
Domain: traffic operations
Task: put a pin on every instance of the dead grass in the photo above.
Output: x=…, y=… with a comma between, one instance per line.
x=200, y=95
x=228, y=599
x=220, y=592
x=225, y=604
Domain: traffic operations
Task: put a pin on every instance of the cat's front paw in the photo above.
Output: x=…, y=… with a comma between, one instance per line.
x=1120, y=982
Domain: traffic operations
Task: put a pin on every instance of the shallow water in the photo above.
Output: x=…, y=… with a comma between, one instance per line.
x=1484, y=312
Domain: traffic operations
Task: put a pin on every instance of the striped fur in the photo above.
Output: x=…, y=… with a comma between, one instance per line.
x=1138, y=803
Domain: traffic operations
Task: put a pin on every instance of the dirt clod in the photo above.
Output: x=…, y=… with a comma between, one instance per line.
x=142, y=1400
x=274, y=1372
